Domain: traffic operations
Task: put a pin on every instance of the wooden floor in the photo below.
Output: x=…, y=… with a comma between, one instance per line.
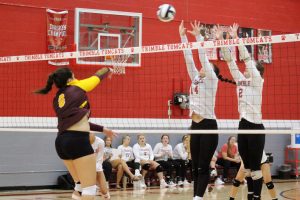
x=285, y=190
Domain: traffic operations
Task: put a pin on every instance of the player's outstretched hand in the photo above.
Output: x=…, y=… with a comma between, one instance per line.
x=196, y=28
x=218, y=32
x=110, y=133
x=182, y=29
x=234, y=30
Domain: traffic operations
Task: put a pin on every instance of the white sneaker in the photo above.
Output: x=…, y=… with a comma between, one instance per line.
x=185, y=182
x=172, y=184
x=106, y=196
x=163, y=184
x=197, y=198
x=214, y=173
x=180, y=183
x=76, y=195
x=142, y=182
x=219, y=182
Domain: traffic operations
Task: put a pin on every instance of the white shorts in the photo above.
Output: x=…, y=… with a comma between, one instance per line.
x=98, y=147
x=99, y=165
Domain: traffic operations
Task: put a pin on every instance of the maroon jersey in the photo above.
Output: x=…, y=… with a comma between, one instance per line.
x=71, y=105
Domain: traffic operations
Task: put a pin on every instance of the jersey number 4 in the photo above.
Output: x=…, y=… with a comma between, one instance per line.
x=195, y=90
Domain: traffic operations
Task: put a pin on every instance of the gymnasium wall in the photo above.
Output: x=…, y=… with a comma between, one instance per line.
x=29, y=159
x=144, y=92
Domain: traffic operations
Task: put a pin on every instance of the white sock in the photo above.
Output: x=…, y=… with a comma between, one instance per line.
x=137, y=172
x=78, y=187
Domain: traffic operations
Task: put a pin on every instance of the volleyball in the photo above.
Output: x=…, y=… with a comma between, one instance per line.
x=166, y=13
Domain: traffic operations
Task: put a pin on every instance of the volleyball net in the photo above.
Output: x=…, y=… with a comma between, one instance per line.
x=154, y=97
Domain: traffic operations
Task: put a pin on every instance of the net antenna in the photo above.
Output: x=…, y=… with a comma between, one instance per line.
x=119, y=61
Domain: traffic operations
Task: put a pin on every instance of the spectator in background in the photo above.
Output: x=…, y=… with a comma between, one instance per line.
x=114, y=156
x=127, y=155
x=144, y=155
x=163, y=154
x=181, y=154
x=98, y=146
x=229, y=157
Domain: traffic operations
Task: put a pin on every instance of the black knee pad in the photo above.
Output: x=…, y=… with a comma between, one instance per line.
x=236, y=183
x=159, y=168
x=146, y=166
x=270, y=185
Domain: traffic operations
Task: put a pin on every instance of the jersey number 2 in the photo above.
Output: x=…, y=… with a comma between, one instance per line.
x=240, y=92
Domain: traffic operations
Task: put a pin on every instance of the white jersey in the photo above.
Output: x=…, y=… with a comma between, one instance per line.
x=112, y=153
x=180, y=152
x=162, y=152
x=126, y=153
x=249, y=91
x=98, y=147
x=107, y=152
x=203, y=90
x=142, y=153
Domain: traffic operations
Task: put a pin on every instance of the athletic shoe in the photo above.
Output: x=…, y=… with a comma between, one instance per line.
x=142, y=182
x=106, y=196
x=213, y=173
x=172, y=184
x=98, y=193
x=76, y=195
x=118, y=187
x=210, y=188
x=186, y=183
x=180, y=183
x=163, y=184
x=219, y=182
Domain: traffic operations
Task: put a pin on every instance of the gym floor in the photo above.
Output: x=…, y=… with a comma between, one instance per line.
x=288, y=189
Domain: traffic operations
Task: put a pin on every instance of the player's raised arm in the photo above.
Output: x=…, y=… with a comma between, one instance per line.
x=234, y=70
x=188, y=55
x=208, y=68
x=90, y=83
x=251, y=65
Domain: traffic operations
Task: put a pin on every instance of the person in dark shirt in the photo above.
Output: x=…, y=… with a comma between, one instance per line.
x=72, y=143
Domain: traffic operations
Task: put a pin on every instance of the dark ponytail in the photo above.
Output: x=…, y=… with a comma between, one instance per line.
x=220, y=77
x=260, y=68
x=59, y=77
x=48, y=86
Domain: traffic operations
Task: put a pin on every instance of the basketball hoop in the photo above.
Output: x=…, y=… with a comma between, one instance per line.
x=119, y=63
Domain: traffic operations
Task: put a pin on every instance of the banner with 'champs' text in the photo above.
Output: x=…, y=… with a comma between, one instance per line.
x=57, y=34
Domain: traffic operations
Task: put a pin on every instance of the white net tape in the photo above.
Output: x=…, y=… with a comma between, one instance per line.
x=295, y=37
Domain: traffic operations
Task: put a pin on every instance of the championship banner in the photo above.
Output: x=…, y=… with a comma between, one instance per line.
x=57, y=34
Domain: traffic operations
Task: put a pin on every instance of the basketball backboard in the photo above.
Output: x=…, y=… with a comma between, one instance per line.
x=105, y=29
